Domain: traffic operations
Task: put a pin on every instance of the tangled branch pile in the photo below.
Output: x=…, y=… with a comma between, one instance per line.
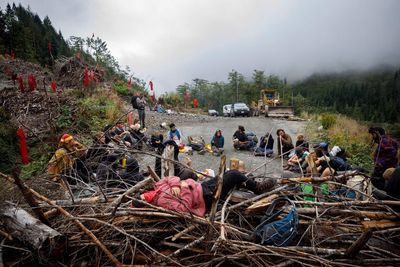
x=104, y=230
x=69, y=72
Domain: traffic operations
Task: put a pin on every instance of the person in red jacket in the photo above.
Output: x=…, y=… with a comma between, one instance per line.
x=189, y=196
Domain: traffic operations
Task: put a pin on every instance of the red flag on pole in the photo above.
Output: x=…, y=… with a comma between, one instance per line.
x=86, y=78
x=49, y=46
x=54, y=86
x=21, y=84
x=195, y=103
x=130, y=118
x=129, y=82
x=32, y=82
x=23, y=148
x=152, y=93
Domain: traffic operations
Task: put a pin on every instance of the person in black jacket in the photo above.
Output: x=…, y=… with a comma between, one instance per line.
x=240, y=140
x=131, y=175
x=391, y=189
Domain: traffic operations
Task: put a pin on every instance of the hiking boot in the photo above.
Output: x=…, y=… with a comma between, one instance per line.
x=264, y=186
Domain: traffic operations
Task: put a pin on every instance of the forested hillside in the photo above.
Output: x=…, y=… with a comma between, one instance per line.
x=368, y=96
x=25, y=36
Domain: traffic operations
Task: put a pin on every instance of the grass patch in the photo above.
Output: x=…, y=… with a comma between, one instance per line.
x=96, y=111
x=41, y=154
x=344, y=132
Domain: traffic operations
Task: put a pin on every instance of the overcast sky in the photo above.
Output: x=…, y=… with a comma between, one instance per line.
x=175, y=41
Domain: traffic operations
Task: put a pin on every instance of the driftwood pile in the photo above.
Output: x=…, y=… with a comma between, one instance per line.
x=103, y=230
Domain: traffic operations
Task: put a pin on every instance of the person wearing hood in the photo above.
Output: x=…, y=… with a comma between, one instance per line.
x=217, y=143
x=385, y=154
x=189, y=196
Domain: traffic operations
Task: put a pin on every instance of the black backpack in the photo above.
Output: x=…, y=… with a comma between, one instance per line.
x=134, y=102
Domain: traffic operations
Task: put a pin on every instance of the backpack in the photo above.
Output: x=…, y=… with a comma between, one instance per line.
x=134, y=102
x=277, y=232
x=339, y=164
x=252, y=137
x=196, y=143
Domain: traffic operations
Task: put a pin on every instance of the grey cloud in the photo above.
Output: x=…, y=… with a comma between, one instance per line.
x=175, y=41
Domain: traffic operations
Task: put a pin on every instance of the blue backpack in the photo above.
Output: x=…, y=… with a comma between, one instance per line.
x=277, y=232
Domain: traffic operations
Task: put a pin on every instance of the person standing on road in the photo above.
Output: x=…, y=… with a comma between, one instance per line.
x=138, y=102
x=285, y=143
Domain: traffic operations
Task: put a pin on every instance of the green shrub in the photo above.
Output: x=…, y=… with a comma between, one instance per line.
x=65, y=119
x=328, y=120
x=40, y=156
x=122, y=89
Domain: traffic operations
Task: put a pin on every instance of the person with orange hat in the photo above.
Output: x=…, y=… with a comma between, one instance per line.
x=65, y=156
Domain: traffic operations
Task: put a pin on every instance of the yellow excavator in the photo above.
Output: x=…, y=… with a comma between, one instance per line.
x=270, y=105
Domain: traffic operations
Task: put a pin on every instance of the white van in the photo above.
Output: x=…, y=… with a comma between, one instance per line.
x=227, y=110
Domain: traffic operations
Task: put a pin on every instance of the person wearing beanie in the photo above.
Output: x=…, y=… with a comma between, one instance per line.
x=64, y=160
x=189, y=196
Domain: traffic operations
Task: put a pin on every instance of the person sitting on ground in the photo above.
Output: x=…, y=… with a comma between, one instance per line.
x=138, y=134
x=385, y=154
x=119, y=135
x=240, y=140
x=301, y=142
x=322, y=161
x=107, y=171
x=174, y=134
x=295, y=163
x=217, y=143
x=284, y=143
x=66, y=160
x=97, y=152
x=189, y=196
x=266, y=146
x=131, y=174
x=391, y=189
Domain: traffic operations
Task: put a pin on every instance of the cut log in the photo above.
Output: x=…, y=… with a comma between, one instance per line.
x=379, y=224
x=47, y=242
x=261, y=205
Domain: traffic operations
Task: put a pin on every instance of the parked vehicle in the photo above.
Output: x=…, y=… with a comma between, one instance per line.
x=213, y=112
x=226, y=110
x=240, y=109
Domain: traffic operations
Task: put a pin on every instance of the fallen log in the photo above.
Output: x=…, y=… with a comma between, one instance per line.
x=47, y=242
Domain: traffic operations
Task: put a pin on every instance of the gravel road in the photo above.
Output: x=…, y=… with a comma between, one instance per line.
x=258, y=125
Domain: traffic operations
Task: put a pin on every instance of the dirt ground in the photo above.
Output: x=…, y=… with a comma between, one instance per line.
x=206, y=126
